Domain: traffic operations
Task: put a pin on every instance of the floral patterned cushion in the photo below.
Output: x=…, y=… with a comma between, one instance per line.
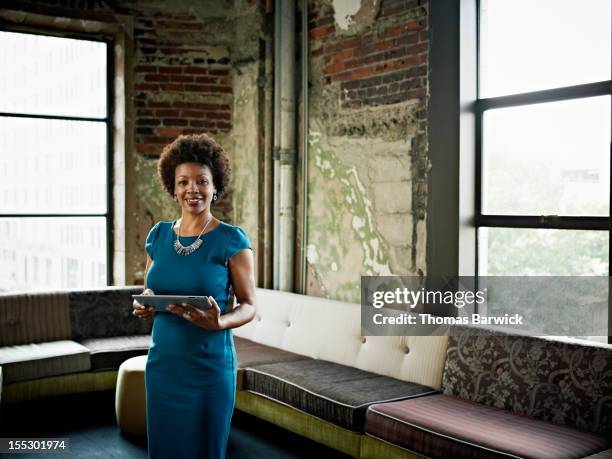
x=560, y=381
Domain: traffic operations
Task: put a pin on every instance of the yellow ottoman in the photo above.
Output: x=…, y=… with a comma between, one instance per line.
x=130, y=397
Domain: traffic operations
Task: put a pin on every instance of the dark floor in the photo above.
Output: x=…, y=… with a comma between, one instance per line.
x=88, y=421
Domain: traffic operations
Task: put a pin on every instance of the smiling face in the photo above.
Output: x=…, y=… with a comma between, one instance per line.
x=193, y=187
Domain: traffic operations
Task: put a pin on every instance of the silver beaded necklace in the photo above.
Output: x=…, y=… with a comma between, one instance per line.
x=181, y=249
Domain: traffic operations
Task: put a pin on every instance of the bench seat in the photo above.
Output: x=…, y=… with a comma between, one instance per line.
x=333, y=392
x=250, y=353
x=110, y=353
x=444, y=426
x=23, y=362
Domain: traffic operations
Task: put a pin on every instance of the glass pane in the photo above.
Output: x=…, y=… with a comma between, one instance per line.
x=52, y=253
x=542, y=252
x=52, y=166
x=52, y=76
x=528, y=45
x=548, y=159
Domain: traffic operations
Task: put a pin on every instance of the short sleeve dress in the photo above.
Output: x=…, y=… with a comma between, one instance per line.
x=191, y=372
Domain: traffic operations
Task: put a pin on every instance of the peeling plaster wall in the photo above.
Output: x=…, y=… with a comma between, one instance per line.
x=245, y=137
x=344, y=11
x=247, y=128
x=367, y=144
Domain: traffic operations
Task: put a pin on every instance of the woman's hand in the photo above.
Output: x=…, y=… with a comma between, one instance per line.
x=142, y=311
x=209, y=318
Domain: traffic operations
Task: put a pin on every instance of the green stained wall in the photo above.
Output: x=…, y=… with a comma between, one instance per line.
x=360, y=218
x=245, y=150
x=367, y=175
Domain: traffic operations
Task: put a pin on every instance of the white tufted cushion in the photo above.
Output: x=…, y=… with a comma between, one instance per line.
x=331, y=330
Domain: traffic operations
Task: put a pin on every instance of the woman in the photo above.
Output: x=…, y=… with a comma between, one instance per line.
x=191, y=368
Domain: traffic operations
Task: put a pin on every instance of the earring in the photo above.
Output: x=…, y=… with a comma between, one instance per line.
x=215, y=197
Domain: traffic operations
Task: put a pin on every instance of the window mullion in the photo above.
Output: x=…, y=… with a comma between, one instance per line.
x=544, y=221
x=51, y=117
x=599, y=88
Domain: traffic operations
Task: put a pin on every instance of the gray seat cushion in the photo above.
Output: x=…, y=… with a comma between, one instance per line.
x=109, y=353
x=333, y=392
x=250, y=353
x=40, y=360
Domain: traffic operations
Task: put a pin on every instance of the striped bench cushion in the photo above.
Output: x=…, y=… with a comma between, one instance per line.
x=443, y=426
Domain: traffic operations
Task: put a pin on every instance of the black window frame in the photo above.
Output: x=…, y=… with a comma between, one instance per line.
x=481, y=105
x=482, y=220
x=108, y=120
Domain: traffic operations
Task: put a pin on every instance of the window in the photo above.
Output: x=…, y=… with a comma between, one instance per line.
x=55, y=123
x=543, y=138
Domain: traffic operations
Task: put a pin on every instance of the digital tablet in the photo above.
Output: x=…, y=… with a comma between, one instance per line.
x=159, y=302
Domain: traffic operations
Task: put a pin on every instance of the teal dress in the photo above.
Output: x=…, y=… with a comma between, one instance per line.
x=191, y=372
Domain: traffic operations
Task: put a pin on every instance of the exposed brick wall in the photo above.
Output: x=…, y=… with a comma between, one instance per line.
x=179, y=88
x=386, y=64
x=181, y=85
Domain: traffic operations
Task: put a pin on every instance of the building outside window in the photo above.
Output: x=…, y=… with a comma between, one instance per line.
x=54, y=162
